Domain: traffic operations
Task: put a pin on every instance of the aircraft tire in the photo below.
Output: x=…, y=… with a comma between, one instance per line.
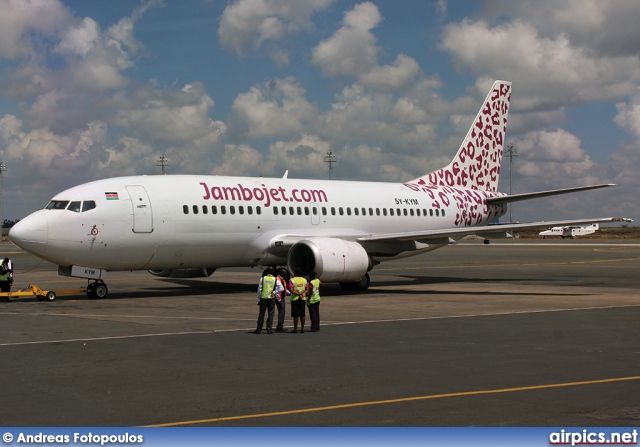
x=100, y=291
x=357, y=286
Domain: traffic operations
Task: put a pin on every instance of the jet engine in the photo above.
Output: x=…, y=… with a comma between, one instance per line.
x=333, y=260
x=203, y=272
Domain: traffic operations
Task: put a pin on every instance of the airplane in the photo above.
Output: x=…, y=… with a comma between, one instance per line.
x=570, y=231
x=191, y=225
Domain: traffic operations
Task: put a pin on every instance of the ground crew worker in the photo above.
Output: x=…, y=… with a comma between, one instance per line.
x=298, y=288
x=283, y=278
x=314, y=301
x=6, y=278
x=268, y=292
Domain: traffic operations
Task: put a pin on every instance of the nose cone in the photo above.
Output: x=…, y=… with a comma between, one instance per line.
x=31, y=233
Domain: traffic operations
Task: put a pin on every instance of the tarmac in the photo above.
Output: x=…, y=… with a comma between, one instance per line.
x=517, y=333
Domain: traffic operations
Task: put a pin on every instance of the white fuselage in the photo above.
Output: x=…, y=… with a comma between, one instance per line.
x=190, y=221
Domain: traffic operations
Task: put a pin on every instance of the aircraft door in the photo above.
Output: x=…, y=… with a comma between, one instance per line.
x=142, y=214
x=315, y=213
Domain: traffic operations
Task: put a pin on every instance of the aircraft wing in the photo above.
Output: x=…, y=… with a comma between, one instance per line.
x=488, y=230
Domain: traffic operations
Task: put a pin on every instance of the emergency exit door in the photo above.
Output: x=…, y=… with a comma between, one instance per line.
x=142, y=214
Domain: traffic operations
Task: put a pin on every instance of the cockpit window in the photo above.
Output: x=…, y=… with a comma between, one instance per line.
x=88, y=205
x=57, y=205
x=74, y=206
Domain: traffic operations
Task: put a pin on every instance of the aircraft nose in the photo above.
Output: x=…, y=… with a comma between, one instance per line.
x=31, y=233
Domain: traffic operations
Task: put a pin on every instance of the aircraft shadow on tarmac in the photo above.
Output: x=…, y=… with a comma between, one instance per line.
x=181, y=287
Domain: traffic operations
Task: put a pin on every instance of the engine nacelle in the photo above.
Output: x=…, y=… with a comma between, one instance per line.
x=204, y=272
x=333, y=260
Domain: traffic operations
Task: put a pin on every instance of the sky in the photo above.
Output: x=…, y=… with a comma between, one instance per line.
x=97, y=89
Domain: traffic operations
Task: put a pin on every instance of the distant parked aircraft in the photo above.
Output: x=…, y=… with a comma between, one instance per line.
x=571, y=231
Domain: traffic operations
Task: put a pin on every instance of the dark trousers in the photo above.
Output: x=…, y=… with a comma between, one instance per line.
x=266, y=303
x=314, y=315
x=5, y=286
x=281, y=312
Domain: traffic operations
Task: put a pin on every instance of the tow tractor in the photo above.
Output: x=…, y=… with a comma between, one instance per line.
x=97, y=289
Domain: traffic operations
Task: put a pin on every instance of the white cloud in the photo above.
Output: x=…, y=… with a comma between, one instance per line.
x=21, y=16
x=276, y=108
x=628, y=116
x=556, y=155
x=606, y=29
x=246, y=25
x=240, y=160
x=351, y=51
x=79, y=39
x=549, y=71
x=392, y=77
x=169, y=117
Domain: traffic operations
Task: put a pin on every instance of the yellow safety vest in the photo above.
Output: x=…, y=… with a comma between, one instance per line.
x=315, y=291
x=299, y=288
x=268, y=286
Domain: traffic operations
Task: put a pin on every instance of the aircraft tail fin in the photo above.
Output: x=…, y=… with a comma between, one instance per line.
x=477, y=163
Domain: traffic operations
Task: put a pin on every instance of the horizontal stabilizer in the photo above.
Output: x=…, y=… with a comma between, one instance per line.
x=537, y=195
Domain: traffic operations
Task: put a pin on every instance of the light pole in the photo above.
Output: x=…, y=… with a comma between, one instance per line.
x=330, y=158
x=162, y=161
x=512, y=152
x=3, y=168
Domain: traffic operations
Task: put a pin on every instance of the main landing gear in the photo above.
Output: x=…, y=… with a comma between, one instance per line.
x=97, y=289
x=357, y=286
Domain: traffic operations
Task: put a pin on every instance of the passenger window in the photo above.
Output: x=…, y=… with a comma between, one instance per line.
x=333, y=211
x=205, y=209
x=232, y=209
x=250, y=209
x=284, y=210
x=195, y=209
x=299, y=211
x=348, y=211
x=275, y=211
x=442, y=213
x=74, y=206
x=258, y=210
x=324, y=210
x=355, y=211
x=214, y=209
x=185, y=209
x=88, y=205
x=341, y=211
x=390, y=211
x=306, y=210
x=223, y=209
x=241, y=209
